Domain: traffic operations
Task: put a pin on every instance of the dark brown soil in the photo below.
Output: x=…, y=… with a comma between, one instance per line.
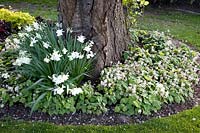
x=19, y=112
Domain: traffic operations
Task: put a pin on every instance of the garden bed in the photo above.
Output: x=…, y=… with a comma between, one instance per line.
x=19, y=112
x=136, y=92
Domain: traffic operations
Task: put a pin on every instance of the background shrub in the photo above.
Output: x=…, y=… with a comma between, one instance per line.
x=17, y=19
x=133, y=8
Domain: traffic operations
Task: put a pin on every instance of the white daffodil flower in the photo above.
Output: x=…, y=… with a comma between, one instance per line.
x=69, y=30
x=88, y=48
x=59, y=25
x=64, y=51
x=36, y=25
x=81, y=56
x=46, y=45
x=59, y=90
x=58, y=79
x=38, y=36
x=46, y=59
x=74, y=55
x=28, y=28
x=55, y=56
x=59, y=32
x=33, y=41
x=22, y=60
x=81, y=38
x=90, y=55
x=91, y=42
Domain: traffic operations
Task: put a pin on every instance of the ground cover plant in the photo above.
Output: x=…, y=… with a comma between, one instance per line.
x=155, y=72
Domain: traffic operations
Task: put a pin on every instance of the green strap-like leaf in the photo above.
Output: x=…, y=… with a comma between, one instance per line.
x=37, y=101
x=36, y=83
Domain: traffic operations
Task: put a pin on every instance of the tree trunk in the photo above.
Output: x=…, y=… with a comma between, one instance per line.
x=103, y=22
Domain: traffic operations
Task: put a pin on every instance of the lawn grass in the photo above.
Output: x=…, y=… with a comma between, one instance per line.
x=39, y=2
x=184, y=122
x=48, y=13
x=44, y=8
x=183, y=26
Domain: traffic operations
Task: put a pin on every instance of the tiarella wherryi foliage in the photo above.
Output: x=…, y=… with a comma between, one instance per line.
x=154, y=73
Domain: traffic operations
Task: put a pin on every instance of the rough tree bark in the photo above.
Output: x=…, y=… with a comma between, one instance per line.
x=103, y=22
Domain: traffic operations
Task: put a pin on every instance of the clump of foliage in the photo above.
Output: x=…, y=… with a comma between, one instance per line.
x=53, y=64
x=155, y=72
x=17, y=19
x=91, y=102
x=133, y=9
